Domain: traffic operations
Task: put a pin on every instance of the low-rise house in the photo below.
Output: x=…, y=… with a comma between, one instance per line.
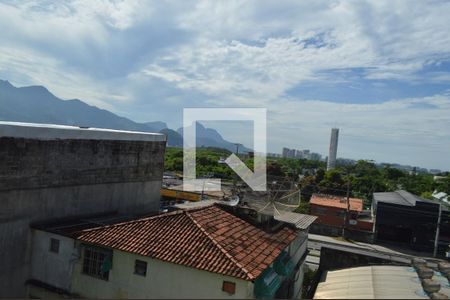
x=205, y=252
x=332, y=211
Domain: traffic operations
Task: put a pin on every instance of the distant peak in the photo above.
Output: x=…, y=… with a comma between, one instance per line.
x=38, y=87
x=5, y=83
x=199, y=125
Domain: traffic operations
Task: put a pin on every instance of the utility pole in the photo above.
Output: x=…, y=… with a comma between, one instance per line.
x=235, y=175
x=346, y=220
x=436, y=239
x=237, y=148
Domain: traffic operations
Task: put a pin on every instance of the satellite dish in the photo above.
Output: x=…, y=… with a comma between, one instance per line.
x=274, y=203
x=231, y=201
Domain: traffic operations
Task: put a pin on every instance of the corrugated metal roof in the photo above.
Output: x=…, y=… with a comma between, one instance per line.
x=207, y=238
x=300, y=221
x=395, y=198
x=372, y=282
x=400, y=197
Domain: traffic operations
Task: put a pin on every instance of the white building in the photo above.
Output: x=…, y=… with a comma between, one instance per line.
x=333, y=148
x=204, y=252
x=440, y=196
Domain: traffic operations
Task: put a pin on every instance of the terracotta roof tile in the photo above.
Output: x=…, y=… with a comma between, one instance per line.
x=356, y=204
x=207, y=238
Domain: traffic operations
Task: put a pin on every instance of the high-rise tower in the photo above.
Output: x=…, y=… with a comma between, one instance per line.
x=333, y=148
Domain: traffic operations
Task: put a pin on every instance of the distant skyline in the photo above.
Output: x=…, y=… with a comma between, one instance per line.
x=378, y=70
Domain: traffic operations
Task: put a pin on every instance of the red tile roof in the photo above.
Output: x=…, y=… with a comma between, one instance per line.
x=208, y=238
x=356, y=204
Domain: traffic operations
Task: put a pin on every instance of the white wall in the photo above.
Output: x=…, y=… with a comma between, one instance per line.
x=298, y=247
x=52, y=268
x=163, y=280
x=296, y=250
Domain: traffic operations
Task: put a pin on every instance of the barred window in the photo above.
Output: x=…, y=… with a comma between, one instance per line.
x=341, y=213
x=97, y=262
x=54, y=245
x=140, y=267
x=321, y=211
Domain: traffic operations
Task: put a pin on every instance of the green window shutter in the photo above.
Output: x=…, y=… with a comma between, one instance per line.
x=283, y=265
x=107, y=264
x=267, y=284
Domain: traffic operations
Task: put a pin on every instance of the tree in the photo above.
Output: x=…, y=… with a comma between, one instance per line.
x=392, y=173
x=308, y=187
x=366, y=177
x=427, y=195
x=274, y=169
x=332, y=183
x=443, y=185
x=303, y=208
x=320, y=174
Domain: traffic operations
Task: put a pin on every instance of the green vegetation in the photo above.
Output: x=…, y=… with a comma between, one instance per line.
x=303, y=208
x=207, y=162
x=308, y=281
x=362, y=178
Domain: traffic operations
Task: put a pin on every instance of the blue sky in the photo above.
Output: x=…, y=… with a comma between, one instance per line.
x=379, y=70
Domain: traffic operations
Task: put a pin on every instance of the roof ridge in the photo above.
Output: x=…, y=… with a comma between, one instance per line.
x=198, y=208
x=402, y=193
x=223, y=250
x=176, y=212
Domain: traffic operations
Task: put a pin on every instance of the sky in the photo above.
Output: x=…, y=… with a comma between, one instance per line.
x=378, y=70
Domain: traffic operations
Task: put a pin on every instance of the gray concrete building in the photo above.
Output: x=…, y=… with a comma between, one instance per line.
x=333, y=148
x=49, y=171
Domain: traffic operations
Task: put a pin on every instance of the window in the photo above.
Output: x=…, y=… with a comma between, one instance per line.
x=54, y=245
x=321, y=211
x=229, y=287
x=97, y=262
x=140, y=267
x=341, y=213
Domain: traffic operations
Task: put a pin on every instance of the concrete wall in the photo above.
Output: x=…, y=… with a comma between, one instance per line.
x=31, y=163
x=324, y=229
x=328, y=215
x=350, y=232
x=56, y=177
x=297, y=250
x=298, y=247
x=53, y=268
x=332, y=259
x=163, y=280
x=359, y=235
x=35, y=292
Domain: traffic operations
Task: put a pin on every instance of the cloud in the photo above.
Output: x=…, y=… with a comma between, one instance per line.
x=387, y=41
x=148, y=60
x=404, y=131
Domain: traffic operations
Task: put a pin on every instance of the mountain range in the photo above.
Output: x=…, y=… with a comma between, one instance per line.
x=35, y=104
